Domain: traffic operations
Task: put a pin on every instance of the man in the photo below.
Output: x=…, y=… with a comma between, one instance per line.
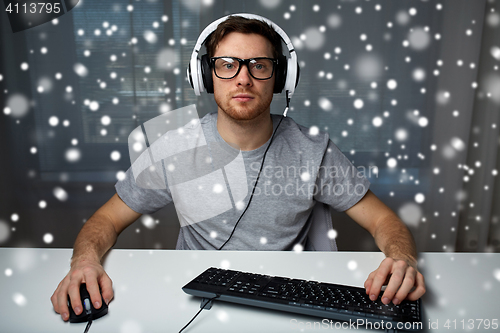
x=243, y=91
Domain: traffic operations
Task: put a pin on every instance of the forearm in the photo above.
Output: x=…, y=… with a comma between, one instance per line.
x=95, y=239
x=395, y=240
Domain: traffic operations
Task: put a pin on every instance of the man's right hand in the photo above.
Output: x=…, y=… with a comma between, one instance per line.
x=83, y=271
x=97, y=236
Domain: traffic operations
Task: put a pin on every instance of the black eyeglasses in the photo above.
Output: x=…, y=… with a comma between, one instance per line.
x=228, y=67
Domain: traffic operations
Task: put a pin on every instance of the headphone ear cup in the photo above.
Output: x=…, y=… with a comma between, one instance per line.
x=206, y=74
x=281, y=71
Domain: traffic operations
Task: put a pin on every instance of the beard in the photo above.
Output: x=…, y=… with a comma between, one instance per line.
x=243, y=111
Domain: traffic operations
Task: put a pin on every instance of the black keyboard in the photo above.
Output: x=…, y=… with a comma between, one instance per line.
x=319, y=299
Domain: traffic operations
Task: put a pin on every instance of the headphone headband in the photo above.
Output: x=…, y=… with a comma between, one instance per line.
x=194, y=72
x=213, y=26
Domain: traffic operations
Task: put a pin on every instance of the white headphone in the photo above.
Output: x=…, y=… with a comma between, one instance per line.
x=195, y=77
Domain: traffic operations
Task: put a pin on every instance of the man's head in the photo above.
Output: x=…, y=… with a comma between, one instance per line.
x=243, y=97
x=245, y=26
x=199, y=73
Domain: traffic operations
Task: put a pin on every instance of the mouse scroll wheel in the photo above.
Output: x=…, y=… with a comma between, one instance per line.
x=86, y=304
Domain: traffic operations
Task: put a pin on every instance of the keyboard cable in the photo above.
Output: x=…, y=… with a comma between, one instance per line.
x=208, y=300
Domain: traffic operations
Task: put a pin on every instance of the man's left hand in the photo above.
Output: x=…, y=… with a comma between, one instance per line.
x=403, y=281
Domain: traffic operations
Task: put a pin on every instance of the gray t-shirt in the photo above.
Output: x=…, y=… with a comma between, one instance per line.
x=302, y=166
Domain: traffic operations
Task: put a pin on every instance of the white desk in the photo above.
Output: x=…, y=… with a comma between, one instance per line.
x=148, y=295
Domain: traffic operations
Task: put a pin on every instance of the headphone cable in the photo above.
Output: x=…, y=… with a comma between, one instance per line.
x=258, y=175
x=248, y=204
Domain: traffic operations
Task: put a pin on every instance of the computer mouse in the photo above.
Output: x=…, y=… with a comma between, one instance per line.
x=89, y=312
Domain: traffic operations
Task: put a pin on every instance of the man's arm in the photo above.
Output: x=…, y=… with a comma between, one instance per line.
x=97, y=236
x=399, y=269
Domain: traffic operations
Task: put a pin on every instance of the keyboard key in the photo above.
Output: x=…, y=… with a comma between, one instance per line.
x=329, y=308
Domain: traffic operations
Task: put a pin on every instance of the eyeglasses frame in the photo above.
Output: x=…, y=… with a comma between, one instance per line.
x=244, y=62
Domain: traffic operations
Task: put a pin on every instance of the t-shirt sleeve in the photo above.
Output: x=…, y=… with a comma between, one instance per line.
x=141, y=200
x=339, y=184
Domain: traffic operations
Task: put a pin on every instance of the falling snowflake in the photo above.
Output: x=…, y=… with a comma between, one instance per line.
x=60, y=194
x=19, y=299
x=352, y=265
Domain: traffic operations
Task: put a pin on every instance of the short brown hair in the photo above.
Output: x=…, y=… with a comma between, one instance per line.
x=245, y=26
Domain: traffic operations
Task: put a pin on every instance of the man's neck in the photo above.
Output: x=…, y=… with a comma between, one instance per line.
x=245, y=134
